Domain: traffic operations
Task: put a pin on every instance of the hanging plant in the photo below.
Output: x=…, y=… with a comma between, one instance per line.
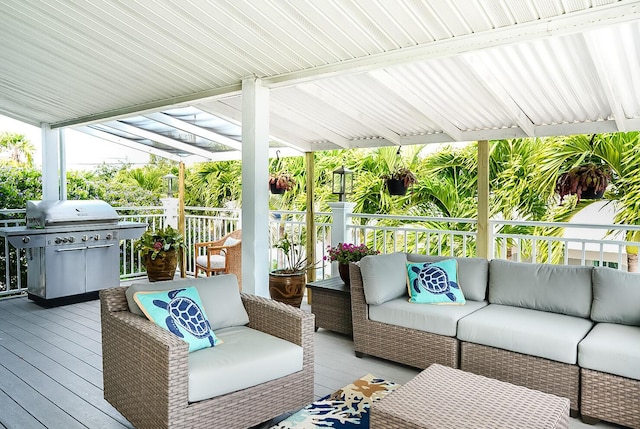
x=587, y=181
x=281, y=182
x=398, y=181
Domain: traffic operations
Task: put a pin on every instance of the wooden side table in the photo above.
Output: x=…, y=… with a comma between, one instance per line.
x=331, y=304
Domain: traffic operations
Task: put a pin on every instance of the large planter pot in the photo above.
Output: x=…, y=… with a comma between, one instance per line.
x=343, y=269
x=163, y=267
x=396, y=187
x=287, y=288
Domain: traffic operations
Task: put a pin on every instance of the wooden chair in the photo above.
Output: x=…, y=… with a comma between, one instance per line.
x=221, y=256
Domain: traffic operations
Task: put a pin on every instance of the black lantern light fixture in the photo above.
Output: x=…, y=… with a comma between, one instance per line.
x=171, y=184
x=342, y=182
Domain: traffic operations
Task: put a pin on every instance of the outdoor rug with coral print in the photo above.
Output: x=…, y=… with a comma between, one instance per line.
x=346, y=408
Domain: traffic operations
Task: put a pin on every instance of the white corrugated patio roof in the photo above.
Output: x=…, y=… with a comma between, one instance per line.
x=343, y=73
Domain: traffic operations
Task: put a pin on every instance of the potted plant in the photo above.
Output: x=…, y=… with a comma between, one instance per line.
x=344, y=253
x=587, y=181
x=281, y=182
x=286, y=284
x=159, y=251
x=398, y=181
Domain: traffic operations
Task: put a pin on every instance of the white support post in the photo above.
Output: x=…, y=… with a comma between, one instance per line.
x=51, y=188
x=341, y=214
x=255, y=197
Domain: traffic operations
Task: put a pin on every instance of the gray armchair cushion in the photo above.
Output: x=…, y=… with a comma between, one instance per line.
x=473, y=274
x=235, y=365
x=384, y=277
x=612, y=348
x=219, y=294
x=437, y=319
x=555, y=288
x=537, y=333
x=616, y=297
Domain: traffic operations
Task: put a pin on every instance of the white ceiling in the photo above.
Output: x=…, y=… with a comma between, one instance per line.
x=343, y=73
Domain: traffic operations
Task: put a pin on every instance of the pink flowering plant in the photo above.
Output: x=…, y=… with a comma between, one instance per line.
x=348, y=252
x=158, y=241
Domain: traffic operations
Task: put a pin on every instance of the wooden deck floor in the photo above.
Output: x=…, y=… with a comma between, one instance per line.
x=51, y=367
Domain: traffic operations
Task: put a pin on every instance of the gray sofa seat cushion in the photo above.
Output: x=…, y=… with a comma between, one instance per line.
x=384, y=277
x=554, y=288
x=437, y=319
x=612, y=348
x=616, y=297
x=473, y=274
x=247, y=358
x=537, y=333
x=219, y=294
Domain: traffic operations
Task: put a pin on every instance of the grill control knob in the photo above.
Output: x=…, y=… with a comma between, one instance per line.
x=109, y=236
x=85, y=237
x=26, y=239
x=58, y=240
x=72, y=239
x=96, y=237
x=65, y=240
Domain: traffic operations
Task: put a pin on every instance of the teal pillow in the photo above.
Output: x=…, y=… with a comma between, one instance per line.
x=180, y=312
x=434, y=283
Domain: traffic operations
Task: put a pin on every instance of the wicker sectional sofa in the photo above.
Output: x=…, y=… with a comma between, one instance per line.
x=572, y=331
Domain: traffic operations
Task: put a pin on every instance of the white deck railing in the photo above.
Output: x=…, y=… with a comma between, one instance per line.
x=558, y=243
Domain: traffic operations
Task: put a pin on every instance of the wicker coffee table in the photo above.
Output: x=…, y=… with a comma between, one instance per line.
x=331, y=303
x=445, y=398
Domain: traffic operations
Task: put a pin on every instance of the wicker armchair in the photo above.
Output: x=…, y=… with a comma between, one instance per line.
x=145, y=369
x=214, y=257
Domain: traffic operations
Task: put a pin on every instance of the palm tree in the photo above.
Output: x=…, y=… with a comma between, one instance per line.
x=20, y=149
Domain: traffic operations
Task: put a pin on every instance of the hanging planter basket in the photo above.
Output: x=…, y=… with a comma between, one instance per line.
x=275, y=190
x=396, y=187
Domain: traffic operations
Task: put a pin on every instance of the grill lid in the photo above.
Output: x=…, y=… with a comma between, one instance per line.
x=51, y=213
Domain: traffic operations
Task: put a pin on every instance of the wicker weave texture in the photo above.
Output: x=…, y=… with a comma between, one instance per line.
x=145, y=370
x=232, y=256
x=332, y=310
x=445, y=398
x=610, y=397
x=408, y=346
x=536, y=373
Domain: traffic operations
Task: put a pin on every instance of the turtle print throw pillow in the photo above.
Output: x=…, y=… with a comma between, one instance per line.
x=434, y=283
x=180, y=312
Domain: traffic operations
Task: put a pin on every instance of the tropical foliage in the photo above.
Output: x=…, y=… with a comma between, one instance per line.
x=159, y=241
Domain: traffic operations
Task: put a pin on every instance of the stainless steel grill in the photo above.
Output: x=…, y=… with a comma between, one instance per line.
x=72, y=247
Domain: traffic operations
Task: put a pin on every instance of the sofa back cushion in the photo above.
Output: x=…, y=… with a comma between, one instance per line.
x=384, y=277
x=473, y=274
x=554, y=288
x=219, y=294
x=616, y=296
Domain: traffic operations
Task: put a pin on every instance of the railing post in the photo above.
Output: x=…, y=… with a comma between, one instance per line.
x=341, y=214
x=170, y=207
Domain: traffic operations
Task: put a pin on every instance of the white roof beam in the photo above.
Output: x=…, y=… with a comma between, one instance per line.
x=128, y=143
x=118, y=125
x=194, y=129
x=604, y=75
x=435, y=119
x=355, y=114
x=489, y=82
x=569, y=23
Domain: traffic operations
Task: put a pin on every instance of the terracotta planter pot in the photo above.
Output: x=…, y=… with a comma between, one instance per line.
x=343, y=269
x=287, y=288
x=163, y=267
x=396, y=187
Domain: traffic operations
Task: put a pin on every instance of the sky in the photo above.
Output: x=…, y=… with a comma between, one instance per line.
x=83, y=152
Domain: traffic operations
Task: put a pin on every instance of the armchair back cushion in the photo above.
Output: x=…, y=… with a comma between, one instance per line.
x=219, y=294
x=616, y=296
x=473, y=274
x=384, y=277
x=552, y=288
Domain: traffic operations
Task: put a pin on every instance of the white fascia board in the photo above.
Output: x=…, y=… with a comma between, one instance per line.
x=194, y=129
x=128, y=143
x=353, y=113
x=158, y=138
